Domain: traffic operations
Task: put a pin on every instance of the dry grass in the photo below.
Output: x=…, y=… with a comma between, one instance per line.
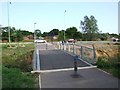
x=106, y=50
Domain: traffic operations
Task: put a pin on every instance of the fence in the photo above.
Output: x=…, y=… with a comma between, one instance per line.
x=85, y=53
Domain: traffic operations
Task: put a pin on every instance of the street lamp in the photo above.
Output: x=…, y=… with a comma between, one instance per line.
x=8, y=22
x=34, y=31
x=0, y=32
x=64, y=24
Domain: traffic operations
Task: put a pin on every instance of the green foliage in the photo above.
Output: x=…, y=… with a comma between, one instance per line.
x=16, y=65
x=15, y=34
x=14, y=78
x=61, y=35
x=18, y=57
x=103, y=36
x=102, y=62
x=111, y=65
x=45, y=34
x=54, y=32
x=37, y=33
x=73, y=33
x=90, y=28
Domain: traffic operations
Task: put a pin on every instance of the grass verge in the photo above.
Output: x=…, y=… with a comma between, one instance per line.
x=16, y=67
x=111, y=65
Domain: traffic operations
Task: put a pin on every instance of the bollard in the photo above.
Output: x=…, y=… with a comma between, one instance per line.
x=46, y=46
x=75, y=63
x=75, y=66
x=75, y=74
x=60, y=46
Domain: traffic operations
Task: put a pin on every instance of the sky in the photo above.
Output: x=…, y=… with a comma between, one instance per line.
x=51, y=15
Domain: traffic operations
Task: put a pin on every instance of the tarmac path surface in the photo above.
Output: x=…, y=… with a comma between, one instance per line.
x=57, y=71
x=57, y=59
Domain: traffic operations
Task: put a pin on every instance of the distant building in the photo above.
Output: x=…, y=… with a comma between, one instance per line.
x=55, y=37
x=29, y=37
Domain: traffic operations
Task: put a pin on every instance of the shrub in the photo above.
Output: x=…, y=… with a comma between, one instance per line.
x=14, y=78
x=111, y=65
x=20, y=57
x=102, y=63
x=23, y=62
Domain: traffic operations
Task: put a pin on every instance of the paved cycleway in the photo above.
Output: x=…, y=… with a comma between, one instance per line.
x=56, y=59
x=56, y=69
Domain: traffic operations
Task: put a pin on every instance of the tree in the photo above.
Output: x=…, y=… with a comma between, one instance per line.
x=61, y=35
x=54, y=32
x=15, y=34
x=45, y=34
x=73, y=33
x=90, y=28
x=103, y=36
x=37, y=33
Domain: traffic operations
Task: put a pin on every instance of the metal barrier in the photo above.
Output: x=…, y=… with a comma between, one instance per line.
x=85, y=53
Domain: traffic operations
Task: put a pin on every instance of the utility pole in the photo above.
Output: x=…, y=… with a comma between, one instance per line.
x=34, y=31
x=8, y=22
x=64, y=25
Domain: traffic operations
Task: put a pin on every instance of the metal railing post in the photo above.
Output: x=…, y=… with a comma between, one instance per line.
x=68, y=47
x=81, y=52
x=94, y=54
x=73, y=49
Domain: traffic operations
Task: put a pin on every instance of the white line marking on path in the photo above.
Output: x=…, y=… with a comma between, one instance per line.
x=67, y=69
x=104, y=71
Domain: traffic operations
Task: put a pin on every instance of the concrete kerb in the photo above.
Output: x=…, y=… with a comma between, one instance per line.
x=36, y=60
x=36, y=64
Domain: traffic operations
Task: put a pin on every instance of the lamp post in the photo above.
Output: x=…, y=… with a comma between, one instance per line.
x=34, y=31
x=64, y=25
x=8, y=22
x=0, y=32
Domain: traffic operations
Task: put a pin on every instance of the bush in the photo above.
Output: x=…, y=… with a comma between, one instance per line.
x=102, y=63
x=5, y=46
x=18, y=58
x=14, y=78
x=23, y=62
x=110, y=65
x=17, y=64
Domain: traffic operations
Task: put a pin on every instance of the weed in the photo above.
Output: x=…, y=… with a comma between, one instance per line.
x=16, y=64
x=13, y=78
x=111, y=65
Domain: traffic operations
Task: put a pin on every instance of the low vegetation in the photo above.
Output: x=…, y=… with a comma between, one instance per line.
x=110, y=64
x=14, y=78
x=16, y=67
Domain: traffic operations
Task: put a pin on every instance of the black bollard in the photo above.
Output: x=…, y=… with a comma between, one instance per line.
x=75, y=63
x=46, y=46
x=75, y=66
x=75, y=74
